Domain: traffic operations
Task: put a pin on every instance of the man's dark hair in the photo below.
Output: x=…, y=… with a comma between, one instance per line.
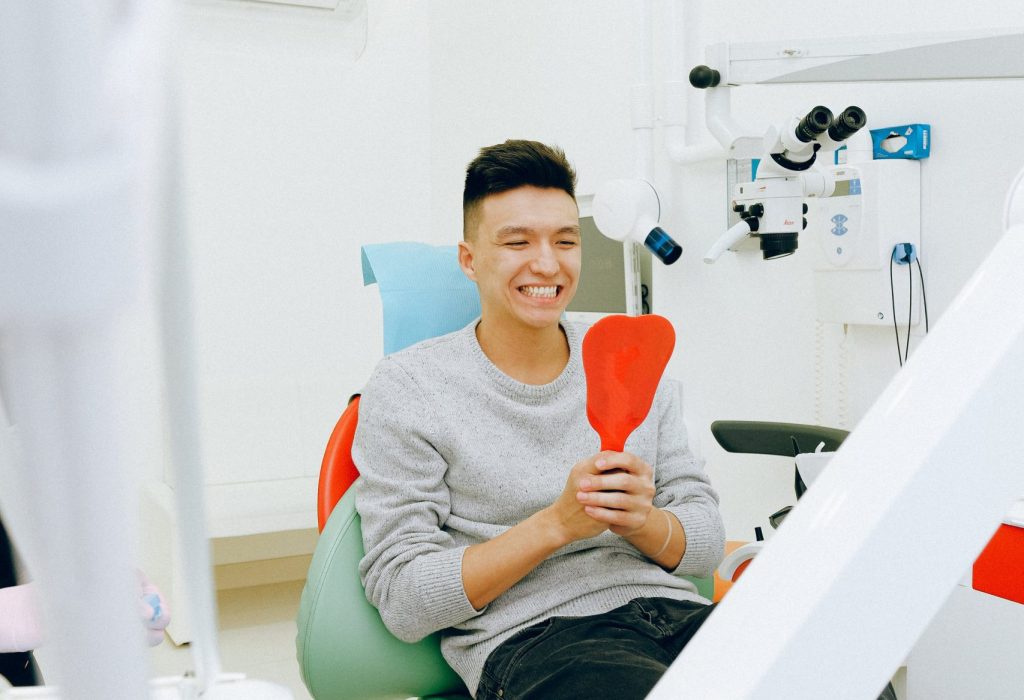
x=509, y=165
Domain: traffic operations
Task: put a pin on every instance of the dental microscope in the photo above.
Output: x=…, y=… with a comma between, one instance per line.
x=772, y=207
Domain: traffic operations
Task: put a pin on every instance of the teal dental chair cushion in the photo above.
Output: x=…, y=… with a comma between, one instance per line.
x=344, y=650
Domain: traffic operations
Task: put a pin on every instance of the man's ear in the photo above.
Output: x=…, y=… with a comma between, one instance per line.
x=466, y=260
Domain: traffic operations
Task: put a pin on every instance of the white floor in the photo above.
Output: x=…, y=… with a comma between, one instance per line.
x=257, y=637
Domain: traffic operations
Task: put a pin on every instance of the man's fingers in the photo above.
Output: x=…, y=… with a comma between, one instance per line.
x=639, y=484
x=621, y=461
x=605, y=499
x=616, y=481
x=614, y=500
x=611, y=517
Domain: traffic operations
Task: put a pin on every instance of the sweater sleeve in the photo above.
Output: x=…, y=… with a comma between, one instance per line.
x=412, y=569
x=683, y=488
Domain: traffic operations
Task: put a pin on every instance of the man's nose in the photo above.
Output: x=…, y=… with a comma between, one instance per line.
x=545, y=262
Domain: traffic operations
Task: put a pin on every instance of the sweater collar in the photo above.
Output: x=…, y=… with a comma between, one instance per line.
x=530, y=392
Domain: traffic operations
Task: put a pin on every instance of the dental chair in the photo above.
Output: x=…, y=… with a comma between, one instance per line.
x=344, y=650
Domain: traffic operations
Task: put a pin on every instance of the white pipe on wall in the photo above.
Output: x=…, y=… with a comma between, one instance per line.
x=642, y=123
x=681, y=103
x=180, y=355
x=642, y=97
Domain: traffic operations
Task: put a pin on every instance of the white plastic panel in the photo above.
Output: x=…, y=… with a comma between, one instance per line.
x=991, y=53
x=851, y=236
x=322, y=4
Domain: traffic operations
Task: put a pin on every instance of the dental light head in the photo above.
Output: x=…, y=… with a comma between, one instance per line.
x=630, y=210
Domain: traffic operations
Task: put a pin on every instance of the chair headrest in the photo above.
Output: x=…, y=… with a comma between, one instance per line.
x=423, y=291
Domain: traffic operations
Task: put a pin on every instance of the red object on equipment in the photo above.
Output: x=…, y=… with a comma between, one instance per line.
x=337, y=470
x=999, y=570
x=740, y=569
x=624, y=358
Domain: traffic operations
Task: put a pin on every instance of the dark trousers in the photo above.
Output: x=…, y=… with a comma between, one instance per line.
x=620, y=654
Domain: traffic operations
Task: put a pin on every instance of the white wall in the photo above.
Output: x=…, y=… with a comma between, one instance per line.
x=294, y=161
x=553, y=72
x=295, y=156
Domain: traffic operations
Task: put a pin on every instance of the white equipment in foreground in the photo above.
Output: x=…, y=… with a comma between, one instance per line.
x=835, y=602
x=80, y=90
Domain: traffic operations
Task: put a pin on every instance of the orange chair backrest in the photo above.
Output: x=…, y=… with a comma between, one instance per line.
x=337, y=470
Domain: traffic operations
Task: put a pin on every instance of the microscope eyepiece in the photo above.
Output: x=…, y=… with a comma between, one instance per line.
x=848, y=123
x=814, y=124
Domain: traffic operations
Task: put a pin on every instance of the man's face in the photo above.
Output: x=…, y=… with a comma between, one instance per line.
x=525, y=257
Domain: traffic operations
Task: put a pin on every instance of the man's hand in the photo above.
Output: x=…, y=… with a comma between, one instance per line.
x=491, y=568
x=607, y=491
x=569, y=512
x=618, y=492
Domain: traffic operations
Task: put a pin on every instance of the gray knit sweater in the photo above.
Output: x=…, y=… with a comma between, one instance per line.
x=453, y=452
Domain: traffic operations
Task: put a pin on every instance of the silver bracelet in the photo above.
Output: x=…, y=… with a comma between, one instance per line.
x=668, y=536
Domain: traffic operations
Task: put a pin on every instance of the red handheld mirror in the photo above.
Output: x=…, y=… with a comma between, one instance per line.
x=624, y=358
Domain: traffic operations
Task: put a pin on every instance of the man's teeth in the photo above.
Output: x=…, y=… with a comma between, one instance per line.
x=547, y=292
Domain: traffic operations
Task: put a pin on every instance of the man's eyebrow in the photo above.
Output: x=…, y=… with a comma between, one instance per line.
x=512, y=230
x=508, y=231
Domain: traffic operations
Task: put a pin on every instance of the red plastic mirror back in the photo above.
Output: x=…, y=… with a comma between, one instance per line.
x=624, y=358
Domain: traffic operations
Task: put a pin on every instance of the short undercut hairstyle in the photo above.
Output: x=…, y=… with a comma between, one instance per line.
x=509, y=165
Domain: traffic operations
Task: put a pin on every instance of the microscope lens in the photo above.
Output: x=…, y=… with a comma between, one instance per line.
x=814, y=124
x=778, y=245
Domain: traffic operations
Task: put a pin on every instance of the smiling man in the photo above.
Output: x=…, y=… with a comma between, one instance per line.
x=551, y=569
x=522, y=248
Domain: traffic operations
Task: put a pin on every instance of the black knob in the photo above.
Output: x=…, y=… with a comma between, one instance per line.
x=804, y=205
x=738, y=208
x=805, y=222
x=757, y=210
x=703, y=77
